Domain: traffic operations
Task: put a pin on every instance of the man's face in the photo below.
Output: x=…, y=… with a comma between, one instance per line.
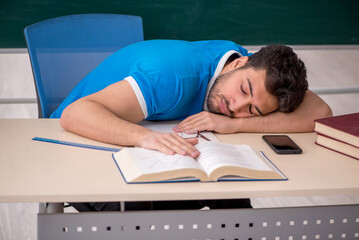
x=241, y=93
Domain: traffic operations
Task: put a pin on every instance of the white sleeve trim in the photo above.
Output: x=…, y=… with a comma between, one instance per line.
x=139, y=94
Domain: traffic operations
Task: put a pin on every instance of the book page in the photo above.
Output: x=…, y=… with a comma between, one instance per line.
x=214, y=155
x=150, y=161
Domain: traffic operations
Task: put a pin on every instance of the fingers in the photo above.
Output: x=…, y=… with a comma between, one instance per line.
x=188, y=124
x=170, y=143
x=192, y=141
x=179, y=145
x=201, y=122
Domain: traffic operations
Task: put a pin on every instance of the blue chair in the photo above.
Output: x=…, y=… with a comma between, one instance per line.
x=64, y=50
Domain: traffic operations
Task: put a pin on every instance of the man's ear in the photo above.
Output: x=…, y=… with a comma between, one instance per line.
x=238, y=62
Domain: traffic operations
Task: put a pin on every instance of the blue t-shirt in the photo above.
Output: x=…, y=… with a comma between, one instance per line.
x=169, y=77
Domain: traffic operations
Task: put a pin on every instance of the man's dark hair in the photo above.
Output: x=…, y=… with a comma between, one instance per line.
x=286, y=75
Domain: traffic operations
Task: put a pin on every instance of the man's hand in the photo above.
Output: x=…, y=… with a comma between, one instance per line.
x=206, y=121
x=169, y=143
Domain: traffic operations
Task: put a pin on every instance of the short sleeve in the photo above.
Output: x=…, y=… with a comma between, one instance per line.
x=161, y=86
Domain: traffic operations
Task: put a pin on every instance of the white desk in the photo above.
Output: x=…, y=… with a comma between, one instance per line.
x=32, y=171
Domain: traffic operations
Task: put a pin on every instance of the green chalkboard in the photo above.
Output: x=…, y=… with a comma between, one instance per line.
x=248, y=22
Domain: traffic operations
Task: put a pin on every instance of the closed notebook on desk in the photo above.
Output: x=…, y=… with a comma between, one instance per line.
x=338, y=146
x=339, y=133
x=344, y=128
x=217, y=162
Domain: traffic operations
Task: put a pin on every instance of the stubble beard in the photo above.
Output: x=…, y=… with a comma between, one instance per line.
x=215, y=93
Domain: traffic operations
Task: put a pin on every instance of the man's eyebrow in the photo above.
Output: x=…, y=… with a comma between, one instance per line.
x=251, y=92
x=250, y=87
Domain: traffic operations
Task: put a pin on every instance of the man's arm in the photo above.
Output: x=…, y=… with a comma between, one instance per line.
x=111, y=115
x=301, y=120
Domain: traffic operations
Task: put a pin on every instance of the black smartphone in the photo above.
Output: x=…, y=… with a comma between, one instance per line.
x=282, y=144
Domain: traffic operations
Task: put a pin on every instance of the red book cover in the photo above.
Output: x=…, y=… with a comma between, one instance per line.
x=344, y=128
x=348, y=123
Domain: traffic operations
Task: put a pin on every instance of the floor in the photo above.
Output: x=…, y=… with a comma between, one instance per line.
x=329, y=67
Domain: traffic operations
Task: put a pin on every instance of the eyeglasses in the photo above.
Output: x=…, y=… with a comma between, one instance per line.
x=193, y=134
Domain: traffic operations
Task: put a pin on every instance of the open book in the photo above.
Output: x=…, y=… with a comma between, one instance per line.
x=217, y=162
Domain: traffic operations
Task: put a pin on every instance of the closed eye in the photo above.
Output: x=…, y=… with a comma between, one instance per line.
x=243, y=90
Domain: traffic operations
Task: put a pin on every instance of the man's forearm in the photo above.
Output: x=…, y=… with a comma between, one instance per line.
x=275, y=122
x=92, y=120
x=301, y=120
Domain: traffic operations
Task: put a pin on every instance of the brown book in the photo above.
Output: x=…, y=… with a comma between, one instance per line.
x=338, y=146
x=344, y=128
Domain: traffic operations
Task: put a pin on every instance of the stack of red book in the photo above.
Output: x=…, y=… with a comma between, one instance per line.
x=339, y=133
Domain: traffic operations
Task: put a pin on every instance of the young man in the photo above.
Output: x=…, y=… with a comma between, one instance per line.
x=212, y=85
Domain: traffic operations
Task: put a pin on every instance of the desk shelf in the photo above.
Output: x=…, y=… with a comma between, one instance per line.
x=310, y=223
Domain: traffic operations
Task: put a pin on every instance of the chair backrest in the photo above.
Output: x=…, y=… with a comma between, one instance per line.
x=64, y=50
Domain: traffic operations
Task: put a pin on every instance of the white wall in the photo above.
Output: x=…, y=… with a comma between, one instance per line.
x=16, y=81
